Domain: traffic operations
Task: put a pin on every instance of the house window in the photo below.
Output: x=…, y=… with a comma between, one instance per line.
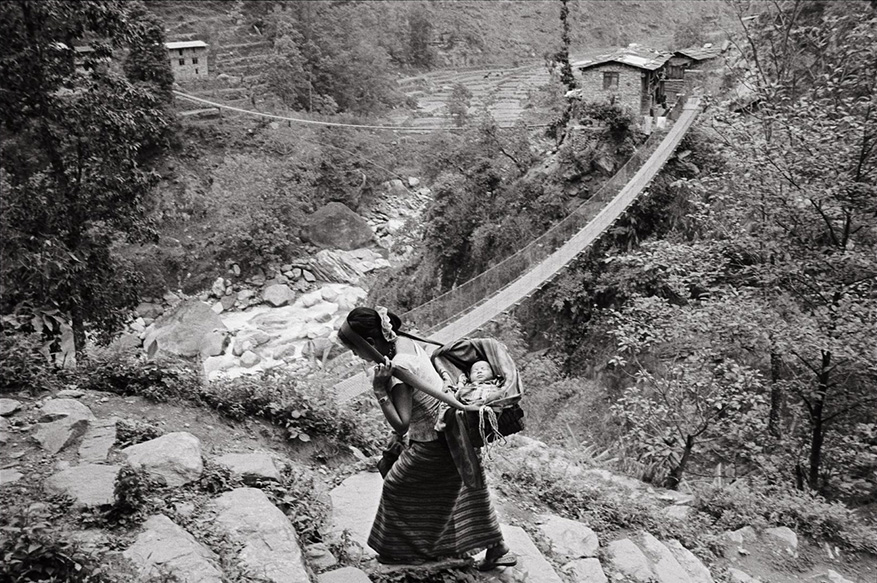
x=196, y=71
x=194, y=60
x=610, y=80
x=181, y=52
x=182, y=62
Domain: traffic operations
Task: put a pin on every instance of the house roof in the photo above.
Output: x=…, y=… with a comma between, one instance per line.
x=633, y=55
x=703, y=53
x=185, y=44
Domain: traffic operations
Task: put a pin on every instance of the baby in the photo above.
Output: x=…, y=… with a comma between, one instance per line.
x=480, y=387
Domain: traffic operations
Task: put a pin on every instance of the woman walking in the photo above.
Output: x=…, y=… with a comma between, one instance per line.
x=426, y=511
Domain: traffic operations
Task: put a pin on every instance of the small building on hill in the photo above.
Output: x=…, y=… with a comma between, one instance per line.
x=632, y=78
x=188, y=59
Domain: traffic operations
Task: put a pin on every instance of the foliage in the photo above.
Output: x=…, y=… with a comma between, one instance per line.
x=760, y=505
x=216, y=478
x=33, y=550
x=23, y=366
x=420, y=54
x=74, y=164
x=562, y=56
x=298, y=495
x=133, y=431
x=162, y=380
x=458, y=104
x=302, y=410
x=132, y=490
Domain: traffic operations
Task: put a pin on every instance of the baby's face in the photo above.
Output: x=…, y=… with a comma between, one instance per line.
x=480, y=372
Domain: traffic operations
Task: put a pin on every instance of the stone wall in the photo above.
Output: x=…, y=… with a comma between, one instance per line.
x=628, y=94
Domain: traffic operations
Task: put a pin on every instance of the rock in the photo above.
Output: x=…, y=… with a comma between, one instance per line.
x=310, y=300
x=697, y=571
x=784, y=535
x=87, y=484
x=335, y=226
x=741, y=535
x=174, y=456
x=149, y=310
x=218, y=287
x=250, y=359
x=4, y=431
x=227, y=301
x=585, y=571
x=250, y=466
x=664, y=564
x=214, y=344
x=308, y=276
x=245, y=294
x=171, y=299
x=61, y=422
x=99, y=438
x=413, y=182
x=328, y=294
x=569, y=538
x=344, y=575
x=738, y=576
x=9, y=476
x=677, y=512
x=531, y=563
x=187, y=329
x=218, y=363
x=218, y=308
x=334, y=267
x=354, y=505
x=320, y=557
x=236, y=269
x=626, y=558
x=278, y=295
x=835, y=577
x=165, y=549
x=138, y=325
x=268, y=543
x=8, y=407
x=69, y=394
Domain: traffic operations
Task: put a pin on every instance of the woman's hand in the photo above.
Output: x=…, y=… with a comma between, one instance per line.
x=381, y=380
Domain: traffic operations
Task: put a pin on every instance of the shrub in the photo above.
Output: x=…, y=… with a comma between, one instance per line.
x=158, y=380
x=132, y=432
x=805, y=512
x=22, y=365
x=299, y=497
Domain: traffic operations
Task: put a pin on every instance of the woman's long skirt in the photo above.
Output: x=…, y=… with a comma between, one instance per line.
x=426, y=512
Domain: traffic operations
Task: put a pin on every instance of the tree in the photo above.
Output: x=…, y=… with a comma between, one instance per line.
x=562, y=56
x=458, y=104
x=75, y=158
x=419, y=37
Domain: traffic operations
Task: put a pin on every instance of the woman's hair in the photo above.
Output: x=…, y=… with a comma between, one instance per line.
x=367, y=322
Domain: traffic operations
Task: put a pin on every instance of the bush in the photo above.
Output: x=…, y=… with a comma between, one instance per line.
x=158, y=380
x=806, y=513
x=132, y=432
x=22, y=365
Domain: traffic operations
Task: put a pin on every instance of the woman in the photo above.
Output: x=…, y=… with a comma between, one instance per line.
x=426, y=511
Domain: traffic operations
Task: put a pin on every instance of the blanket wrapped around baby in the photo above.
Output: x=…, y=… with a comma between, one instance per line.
x=450, y=361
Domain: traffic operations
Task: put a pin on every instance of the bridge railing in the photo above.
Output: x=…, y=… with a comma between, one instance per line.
x=445, y=307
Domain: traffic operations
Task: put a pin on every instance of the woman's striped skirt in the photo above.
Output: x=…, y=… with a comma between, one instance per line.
x=426, y=512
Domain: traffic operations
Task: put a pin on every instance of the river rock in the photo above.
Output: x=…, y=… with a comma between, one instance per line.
x=87, y=484
x=187, y=329
x=278, y=295
x=336, y=226
x=569, y=538
x=268, y=544
x=163, y=548
x=174, y=456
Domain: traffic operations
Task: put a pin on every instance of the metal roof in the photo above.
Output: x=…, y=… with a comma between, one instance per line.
x=700, y=53
x=185, y=44
x=634, y=56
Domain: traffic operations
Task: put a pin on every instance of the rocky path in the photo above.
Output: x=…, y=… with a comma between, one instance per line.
x=258, y=542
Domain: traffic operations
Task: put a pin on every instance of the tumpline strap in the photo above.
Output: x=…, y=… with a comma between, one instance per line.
x=416, y=337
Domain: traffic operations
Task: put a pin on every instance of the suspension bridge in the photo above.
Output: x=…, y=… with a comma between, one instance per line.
x=502, y=287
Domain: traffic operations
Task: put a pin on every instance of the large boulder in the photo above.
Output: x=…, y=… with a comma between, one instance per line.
x=61, y=422
x=174, y=456
x=165, y=548
x=87, y=484
x=335, y=226
x=187, y=330
x=267, y=541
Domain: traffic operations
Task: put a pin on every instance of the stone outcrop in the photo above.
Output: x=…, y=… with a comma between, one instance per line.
x=98, y=440
x=585, y=571
x=250, y=466
x=335, y=226
x=627, y=558
x=190, y=329
x=87, y=484
x=163, y=548
x=175, y=456
x=268, y=544
x=61, y=422
x=332, y=266
x=569, y=539
x=8, y=407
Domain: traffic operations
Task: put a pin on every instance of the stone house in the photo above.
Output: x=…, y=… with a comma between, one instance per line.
x=687, y=64
x=632, y=78
x=188, y=59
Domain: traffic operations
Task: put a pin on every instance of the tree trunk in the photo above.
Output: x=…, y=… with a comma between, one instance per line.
x=817, y=437
x=78, y=326
x=675, y=476
x=777, y=397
